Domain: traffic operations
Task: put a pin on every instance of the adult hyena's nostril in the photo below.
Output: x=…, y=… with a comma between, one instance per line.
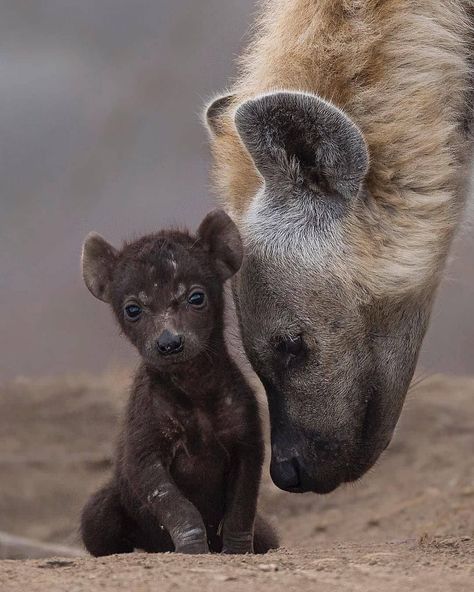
x=170, y=343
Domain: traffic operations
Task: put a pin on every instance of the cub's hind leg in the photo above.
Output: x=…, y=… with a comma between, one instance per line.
x=104, y=525
x=265, y=537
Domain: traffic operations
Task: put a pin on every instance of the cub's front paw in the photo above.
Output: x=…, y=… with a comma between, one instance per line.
x=192, y=541
x=237, y=543
x=196, y=548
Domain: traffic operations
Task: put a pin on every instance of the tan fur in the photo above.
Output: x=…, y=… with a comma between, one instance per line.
x=400, y=70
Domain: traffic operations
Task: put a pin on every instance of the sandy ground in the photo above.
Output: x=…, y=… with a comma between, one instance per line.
x=408, y=525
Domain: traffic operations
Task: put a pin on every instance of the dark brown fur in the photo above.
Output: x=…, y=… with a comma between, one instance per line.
x=190, y=454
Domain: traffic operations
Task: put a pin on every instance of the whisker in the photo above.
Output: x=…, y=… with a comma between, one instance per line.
x=420, y=380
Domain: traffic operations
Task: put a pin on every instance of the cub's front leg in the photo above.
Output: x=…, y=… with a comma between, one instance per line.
x=241, y=502
x=155, y=488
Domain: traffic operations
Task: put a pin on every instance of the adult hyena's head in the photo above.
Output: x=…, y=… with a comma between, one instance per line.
x=333, y=343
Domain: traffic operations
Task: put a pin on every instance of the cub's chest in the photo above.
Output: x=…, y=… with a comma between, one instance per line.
x=207, y=434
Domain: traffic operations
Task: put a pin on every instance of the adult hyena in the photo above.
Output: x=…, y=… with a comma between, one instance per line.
x=341, y=152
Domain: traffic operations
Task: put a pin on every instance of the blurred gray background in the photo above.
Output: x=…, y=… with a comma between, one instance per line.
x=100, y=130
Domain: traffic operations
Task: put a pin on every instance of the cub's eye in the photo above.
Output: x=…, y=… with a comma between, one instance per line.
x=197, y=298
x=132, y=312
x=291, y=346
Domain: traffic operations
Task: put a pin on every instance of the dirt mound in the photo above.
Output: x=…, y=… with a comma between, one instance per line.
x=407, y=525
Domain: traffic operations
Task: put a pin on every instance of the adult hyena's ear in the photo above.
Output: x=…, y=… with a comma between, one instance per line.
x=98, y=262
x=220, y=235
x=300, y=139
x=214, y=112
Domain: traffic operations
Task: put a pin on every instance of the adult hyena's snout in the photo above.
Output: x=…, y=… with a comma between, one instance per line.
x=320, y=451
x=307, y=462
x=334, y=442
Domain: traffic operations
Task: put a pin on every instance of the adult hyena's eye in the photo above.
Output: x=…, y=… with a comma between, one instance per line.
x=132, y=312
x=197, y=298
x=291, y=347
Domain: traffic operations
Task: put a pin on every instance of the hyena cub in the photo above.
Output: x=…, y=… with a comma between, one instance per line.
x=190, y=455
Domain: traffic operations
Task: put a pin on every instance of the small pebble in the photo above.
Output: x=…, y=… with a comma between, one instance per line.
x=268, y=567
x=224, y=578
x=450, y=542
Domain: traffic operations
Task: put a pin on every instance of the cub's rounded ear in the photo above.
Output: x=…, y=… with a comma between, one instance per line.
x=220, y=235
x=98, y=262
x=214, y=112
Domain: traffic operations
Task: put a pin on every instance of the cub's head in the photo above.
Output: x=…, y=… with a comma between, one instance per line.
x=166, y=288
x=329, y=328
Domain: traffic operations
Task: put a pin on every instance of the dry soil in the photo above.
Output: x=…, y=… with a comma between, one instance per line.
x=408, y=525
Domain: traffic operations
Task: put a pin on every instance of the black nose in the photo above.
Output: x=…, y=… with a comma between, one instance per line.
x=292, y=470
x=286, y=473
x=170, y=343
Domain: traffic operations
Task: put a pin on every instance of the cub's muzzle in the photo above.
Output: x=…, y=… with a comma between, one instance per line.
x=170, y=343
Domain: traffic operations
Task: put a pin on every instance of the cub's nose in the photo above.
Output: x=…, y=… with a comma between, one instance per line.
x=170, y=343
